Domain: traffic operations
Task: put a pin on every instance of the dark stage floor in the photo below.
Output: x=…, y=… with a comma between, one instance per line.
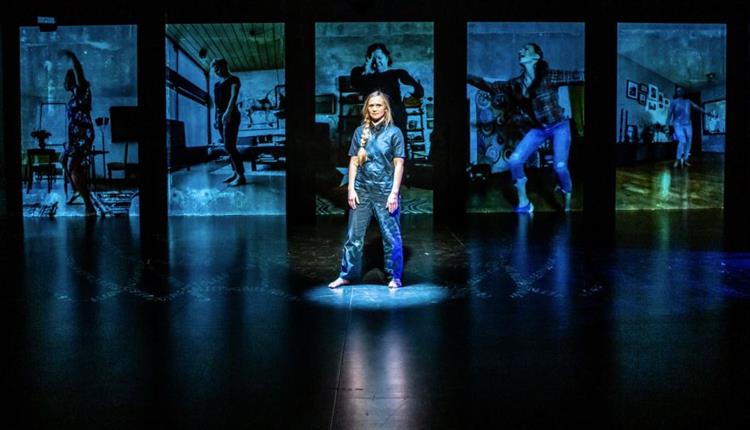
x=508, y=322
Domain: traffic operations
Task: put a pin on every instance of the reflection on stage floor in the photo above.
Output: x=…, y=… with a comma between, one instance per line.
x=508, y=321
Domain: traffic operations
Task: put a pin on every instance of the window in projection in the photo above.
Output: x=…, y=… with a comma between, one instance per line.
x=525, y=87
x=671, y=92
x=79, y=153
x=226, y=127
x=353, y=60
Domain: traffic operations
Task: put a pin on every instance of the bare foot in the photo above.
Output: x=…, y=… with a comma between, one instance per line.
x=337, y=283
x=395, y=283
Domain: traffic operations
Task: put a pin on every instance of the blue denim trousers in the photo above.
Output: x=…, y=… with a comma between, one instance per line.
x=684, y=134
x=372, y=203
x=560, y=135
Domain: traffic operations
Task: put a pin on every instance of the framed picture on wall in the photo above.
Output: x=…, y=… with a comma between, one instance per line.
x=714, y=120
x=642, y=98
x=661, y=97
x=631, y=89
x=642, y=89
x=653, y=92
x=651, y=105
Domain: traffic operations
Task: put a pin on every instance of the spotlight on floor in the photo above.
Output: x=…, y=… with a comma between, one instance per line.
x=378, y=297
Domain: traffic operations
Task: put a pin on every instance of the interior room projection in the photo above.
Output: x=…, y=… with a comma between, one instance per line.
x=79, y=148
x=344, y=78
x=226, y=139
x=671, y=102
x=525, y=92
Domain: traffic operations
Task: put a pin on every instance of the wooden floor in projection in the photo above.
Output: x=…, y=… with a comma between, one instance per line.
x=659, y=185
x=496, y=193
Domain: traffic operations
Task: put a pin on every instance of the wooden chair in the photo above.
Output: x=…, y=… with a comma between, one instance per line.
x=124, y=122
x=128, y=169
x=43, y=163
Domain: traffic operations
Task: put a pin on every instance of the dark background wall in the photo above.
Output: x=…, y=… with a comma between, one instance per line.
x=3, y=197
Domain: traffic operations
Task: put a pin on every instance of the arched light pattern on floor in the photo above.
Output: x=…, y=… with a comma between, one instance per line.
x=378, y=297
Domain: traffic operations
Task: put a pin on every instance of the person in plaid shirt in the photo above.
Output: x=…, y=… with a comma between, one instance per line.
x=535, y=92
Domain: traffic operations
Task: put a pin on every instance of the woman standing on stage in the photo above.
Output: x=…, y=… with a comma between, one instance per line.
x=376, y=166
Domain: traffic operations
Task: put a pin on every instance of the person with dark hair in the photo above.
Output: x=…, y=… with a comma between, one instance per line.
x=80, y=130
x=227, y=119
x=376, y=167
x=376, y=74
x=535, y=93
x=679, y=118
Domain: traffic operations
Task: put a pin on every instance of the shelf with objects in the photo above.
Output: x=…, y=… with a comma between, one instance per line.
x=263, y=147
x=416, y=146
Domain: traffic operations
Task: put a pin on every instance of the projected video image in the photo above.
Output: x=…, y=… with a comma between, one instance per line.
x=671, y=93
x=226, y=122
x=352, y=61
x=525, y=89
x=78, y=121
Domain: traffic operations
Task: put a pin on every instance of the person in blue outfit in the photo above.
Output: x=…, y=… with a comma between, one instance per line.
x=376, y=167
x=535, y=92
x=679, y=117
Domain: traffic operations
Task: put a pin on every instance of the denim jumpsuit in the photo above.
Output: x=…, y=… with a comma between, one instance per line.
x=373, y=185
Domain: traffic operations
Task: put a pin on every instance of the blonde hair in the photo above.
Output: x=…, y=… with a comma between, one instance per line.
x=367, y=124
